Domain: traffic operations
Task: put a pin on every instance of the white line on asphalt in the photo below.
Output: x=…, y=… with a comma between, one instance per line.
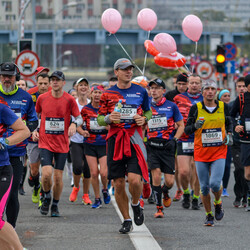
x=140, y=236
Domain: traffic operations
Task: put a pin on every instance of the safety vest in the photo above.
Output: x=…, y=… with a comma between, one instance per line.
x=208, y=140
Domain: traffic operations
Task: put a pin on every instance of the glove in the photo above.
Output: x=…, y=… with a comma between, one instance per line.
x=229, y=140
x=199, y=124
x=3, y=145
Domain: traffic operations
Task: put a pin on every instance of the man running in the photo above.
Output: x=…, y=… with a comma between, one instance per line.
x=211, y=124
x=125, y=107
x=162, y=141
x=55, y=108
x=185, y=146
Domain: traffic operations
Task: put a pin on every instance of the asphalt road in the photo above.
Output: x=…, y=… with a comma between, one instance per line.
x=81, y=227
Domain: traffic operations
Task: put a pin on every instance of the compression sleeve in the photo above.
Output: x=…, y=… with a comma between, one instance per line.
x=78, y=120
x=148, y=114
x=32, y=125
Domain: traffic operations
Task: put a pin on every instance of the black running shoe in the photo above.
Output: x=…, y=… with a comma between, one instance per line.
x=219, y=212
x=209, y=221
x=44, y=209
x=195, y=204
x=127, y=227
x=138, y=215
x=54, y=211
x=186, y=201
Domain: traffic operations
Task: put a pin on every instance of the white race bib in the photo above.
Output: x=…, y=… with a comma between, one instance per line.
x=188, y=147
x=247, y=125
x=158, y=122
x=54, y=125
x=128, y=111
x=211, y=137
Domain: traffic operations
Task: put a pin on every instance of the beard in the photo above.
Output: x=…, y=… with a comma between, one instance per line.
x=8, y=89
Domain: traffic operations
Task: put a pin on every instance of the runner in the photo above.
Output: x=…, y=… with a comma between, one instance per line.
x=80, y=165
x=209, y=120
x=242, y=106
x=185, y=146
x=55, y=108
x=32, y=147
x=8, y=236
x=162, y=143
x=95, y=146
x=21, y=103
x=125, y=107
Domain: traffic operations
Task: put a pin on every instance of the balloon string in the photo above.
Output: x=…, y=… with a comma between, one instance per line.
x=145, y=58
x=127, y=54
x=196, y=45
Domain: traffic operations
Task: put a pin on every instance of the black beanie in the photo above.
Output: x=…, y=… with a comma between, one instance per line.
x=183, y=77
x=247, y=80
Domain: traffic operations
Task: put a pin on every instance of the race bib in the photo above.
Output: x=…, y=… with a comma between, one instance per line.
x=95, y=127
x=187, y=147
x=247, y=125
x=18, y=112
x=54, y=125
x=128, y=111
x=158, y=123
x=211, y=137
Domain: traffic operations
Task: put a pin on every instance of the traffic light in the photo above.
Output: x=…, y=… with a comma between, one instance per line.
x=25, y=44
x=220, y=58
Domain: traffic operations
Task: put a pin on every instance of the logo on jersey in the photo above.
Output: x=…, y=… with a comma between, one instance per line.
x=133, y=95
x=23, y=102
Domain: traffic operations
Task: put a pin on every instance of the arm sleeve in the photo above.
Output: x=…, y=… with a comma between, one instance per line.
x=192, y=116
x=148, y=114
x=228, y=120
x=32, y=125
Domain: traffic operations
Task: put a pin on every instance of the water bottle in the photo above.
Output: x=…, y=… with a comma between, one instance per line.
x=118, y=107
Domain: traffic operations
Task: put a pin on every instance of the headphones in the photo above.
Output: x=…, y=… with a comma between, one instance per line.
x=18, y=75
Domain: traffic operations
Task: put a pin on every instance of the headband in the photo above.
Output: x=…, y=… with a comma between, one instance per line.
x=222, y=92
x=97, y=87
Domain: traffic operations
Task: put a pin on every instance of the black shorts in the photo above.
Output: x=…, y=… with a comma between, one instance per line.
x=47, y=158
x=162, y=158
x=181, y=151
x=97, y=151
x=245, y=154
x=118, y=169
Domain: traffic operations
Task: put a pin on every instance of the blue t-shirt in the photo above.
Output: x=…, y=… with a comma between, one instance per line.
x=22, y=105
x=7, y=118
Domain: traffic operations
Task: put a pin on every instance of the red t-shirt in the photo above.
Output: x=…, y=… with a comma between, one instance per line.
x=55, y=121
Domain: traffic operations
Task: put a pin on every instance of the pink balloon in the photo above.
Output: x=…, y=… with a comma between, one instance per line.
x=192, y=27
x=111, y=20
x=165, y=43
x=147, y=19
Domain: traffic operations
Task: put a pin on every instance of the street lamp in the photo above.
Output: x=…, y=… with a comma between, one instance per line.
x=68, y=5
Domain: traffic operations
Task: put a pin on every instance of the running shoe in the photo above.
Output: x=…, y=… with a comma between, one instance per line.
x=54, y=211
x=151, y=199
x=74, y=193
x=209, y=221
x=141, y=203
x=97, y=204
x=178, y=195
x=45, y=206
x=225, y=193
x=106, y=196
x=186, y=201
x=86, y=200
x=138, y=214
x=219, y=212
x=195, y=204
x=159, y=213
x=35, y=195
x=127, y=227
x=146, y=191
x=236, y=203
x=21, y=190
x=166, y=200
x=248, y=205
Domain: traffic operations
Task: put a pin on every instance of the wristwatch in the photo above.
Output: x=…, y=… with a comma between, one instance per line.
x=175, y=139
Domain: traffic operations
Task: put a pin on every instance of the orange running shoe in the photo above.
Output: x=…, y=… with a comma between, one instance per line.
x=159, y=213
x=166, y=200
x=86, y=200
x=178, y=195
x=73, y=195
x=141, y=203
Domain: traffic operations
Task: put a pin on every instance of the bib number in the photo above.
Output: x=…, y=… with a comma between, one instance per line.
x=211, y=137
x=128, y=112
x=95, y=127
x=17, y=112
x=247, y=125
x=158, y=123
x=187, y=147
x=54, y=126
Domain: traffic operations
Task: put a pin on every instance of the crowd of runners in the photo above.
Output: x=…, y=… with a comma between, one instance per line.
x=121, y=131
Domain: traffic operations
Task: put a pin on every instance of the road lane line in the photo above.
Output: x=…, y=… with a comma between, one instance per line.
x=140, y=236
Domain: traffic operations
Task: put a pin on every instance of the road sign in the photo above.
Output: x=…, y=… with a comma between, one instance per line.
x=31, y=83
x=27, y=62
x=204, y=69
x=231, y=51
x=230, y=67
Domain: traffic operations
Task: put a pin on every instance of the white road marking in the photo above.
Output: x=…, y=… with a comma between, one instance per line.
x=140, y=236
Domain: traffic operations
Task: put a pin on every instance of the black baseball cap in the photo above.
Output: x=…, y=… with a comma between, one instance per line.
x=158, y=82
x=123, y=63
x=58, y=74
x=8, y=68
